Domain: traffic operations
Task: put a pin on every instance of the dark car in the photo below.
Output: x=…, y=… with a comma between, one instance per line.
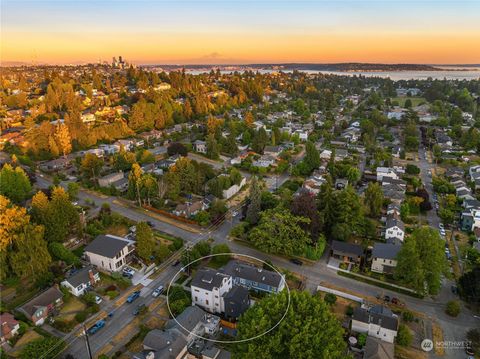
x=150, y=224
x=395, y=300
x=454, y=289
x=133, y=296
x=296, y=261
x=139, y=309
x=176, y=263
x=386, y=298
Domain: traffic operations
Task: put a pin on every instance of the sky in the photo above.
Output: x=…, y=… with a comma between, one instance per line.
x=235, y=32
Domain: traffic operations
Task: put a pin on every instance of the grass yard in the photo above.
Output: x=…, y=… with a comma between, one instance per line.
x=26, y=338
x=415, y=100
x=70, y=308
x=120, y=230
x=409, y=353
x=155, y=323
x=438, y=337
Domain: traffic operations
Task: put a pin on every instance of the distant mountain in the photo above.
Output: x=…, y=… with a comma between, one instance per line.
x=341, y=67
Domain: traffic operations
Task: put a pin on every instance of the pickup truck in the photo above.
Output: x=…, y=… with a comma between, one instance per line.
x=96, y=327
x=133, y=296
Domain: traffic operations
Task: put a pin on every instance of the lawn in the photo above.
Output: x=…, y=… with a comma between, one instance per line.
x=70, y=308
x=415, y=100
x=120, y=230
x=25, y=339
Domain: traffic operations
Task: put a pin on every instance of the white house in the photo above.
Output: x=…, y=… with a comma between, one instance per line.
x=264, y=161
x=109, y=252
x=385, y=172
x=394, y=228
x=200, y=146
x=378, y=322
x=384, y=257
x=233, y=190
x=208, y=288
x=81, y=280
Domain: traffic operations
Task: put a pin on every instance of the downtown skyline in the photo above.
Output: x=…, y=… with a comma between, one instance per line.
x=214, y=32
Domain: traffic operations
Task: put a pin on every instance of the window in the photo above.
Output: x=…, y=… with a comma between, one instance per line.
x=196, y=299
x=206, y=302
x=216, y=296
x=196, y=290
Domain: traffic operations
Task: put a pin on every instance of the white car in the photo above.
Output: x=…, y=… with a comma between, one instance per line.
x=128, y=271
x=157, y=291
x=442, y=232
x=441, y=226
x=98, y=299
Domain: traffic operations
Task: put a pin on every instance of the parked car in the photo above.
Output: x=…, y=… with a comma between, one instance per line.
x=139, y=309
x=386, y=298
x=96, y=327
x=441, y=226
x=395, y=300
x=296, y=261
x=454, y=289
x=98, y=299
x=150, y=224
x=157, y=291
x=133, y=296
x=176, y=263
x=128, y=272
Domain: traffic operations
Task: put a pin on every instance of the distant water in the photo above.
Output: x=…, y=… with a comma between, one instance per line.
x=470, y=73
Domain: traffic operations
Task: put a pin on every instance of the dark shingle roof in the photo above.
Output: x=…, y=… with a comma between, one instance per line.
x=348, y=248
x=80, y=276
x=384, y=320
x=249, y=272
x=42, y=300
x=107, y=246
x=392, y=222
x=378, y=349
x=207, y=278
x=385, y=250
x=188, y=319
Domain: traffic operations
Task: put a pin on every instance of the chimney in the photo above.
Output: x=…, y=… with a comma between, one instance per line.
x=91, y=277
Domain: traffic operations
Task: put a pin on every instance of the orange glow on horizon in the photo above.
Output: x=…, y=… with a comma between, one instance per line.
x=236, y=48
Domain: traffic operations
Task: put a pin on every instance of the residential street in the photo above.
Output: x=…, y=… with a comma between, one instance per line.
x=454, y=328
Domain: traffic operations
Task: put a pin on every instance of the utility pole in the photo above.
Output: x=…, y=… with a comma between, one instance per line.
x=87, y=342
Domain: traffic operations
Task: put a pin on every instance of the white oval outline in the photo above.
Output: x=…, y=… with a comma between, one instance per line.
x=228, y=341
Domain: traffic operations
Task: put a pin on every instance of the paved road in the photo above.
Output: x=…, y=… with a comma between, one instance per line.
x=454, y=329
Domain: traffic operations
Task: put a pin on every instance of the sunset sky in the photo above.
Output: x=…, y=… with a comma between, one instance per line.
x=224, y=32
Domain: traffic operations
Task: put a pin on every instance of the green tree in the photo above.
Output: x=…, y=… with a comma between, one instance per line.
x=312, y=157
x=299, y=335
x=469, y=284
x=254, y=202
x=14, y=183
x=278, y=231
x=91, y=166
x=453, y=308
x=145, y=241
x=374, y=199
x=404, y=336
x=421, y=261
x=73, y=188
x=38, y=347
x=212, y=147
x=224, y=250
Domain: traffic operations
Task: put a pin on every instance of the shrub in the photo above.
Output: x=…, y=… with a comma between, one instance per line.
x=89, y=298
x=220, y=249
x=408, y=316
x=362, y=339
x=81, y=316
x=453, y=308
x=112, y=294
x=330, y=298
x=404, y=336
x=349, y=311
